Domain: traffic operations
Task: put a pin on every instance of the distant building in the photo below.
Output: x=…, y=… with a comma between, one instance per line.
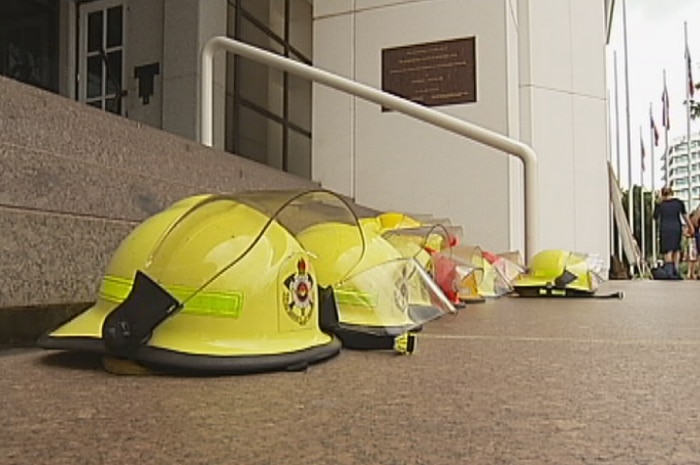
x=677, y=171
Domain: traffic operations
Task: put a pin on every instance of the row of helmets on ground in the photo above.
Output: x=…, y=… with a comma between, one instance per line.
x=261, y=281
x=251, y=282
x=469, y=274
x=464, y=273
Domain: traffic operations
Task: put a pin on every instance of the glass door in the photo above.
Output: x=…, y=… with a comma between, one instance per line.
x=101, y=55
x=29, y=42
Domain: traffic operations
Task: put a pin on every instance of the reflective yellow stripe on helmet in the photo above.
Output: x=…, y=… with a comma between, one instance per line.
x=210, y=303
x=357, y=298
x=550, y=291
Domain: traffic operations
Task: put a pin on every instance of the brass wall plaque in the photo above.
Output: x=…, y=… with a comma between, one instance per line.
x=435, y=73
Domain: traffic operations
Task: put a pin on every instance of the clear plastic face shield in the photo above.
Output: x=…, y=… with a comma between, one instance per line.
x=430, y=245
x=586, y=270
x=510, y=265
x=433, y=245
x=495, y=274
x=271, y=210
x=413, y=241
x=457, y=277
x=397, y=296
x=387, y=293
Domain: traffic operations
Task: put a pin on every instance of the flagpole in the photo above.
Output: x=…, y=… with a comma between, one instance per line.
x=653, y=138
x=666, y=120
x=630, y=197
x=642, y=227
x=617, y=146
x=667, y=124
x=687, y=109
x=611, y=217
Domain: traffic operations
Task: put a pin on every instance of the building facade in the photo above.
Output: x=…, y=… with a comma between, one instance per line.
x=537, y=73
x=683, y=171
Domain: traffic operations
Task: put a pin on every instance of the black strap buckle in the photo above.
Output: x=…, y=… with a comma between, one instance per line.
x=564, y=279
x=132, y=322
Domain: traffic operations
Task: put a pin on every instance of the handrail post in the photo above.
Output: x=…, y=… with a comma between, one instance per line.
x=407, y=107
x=207, y=94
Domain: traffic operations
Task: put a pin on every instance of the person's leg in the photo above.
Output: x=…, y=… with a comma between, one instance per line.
x=669, y=269
x=668, y=265
x=690, y=257
x=697, y=253
x=677, y=250
x=667, y=242
x=693, y=252
x=676, y=263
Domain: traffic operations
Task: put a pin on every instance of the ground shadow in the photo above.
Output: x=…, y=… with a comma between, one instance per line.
x=84, y=361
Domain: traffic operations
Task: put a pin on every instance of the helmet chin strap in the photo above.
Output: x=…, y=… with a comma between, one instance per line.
x=132, y=322
x=358, y=337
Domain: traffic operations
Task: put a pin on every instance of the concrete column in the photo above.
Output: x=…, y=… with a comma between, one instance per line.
x=187, y=26
x=144, y=41
x=388, y=161
x=563, y=116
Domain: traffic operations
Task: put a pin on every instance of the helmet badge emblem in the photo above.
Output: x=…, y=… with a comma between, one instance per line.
x=298, y=294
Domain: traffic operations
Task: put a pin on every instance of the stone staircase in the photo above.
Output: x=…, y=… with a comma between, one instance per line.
x=73, y=182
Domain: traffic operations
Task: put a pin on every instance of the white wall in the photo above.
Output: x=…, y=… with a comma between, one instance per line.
x=515, y=166
x=540, y=78
x=563, y=111
x=388, y=161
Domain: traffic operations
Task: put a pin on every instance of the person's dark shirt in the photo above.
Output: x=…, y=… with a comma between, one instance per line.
x=668, y=212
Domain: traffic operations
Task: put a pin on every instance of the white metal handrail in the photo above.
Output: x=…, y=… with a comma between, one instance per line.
x=420, y=112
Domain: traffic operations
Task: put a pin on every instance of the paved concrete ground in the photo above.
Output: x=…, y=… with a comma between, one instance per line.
x=511, y=381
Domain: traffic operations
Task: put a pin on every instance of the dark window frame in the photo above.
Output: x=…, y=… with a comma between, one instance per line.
x=289, y=51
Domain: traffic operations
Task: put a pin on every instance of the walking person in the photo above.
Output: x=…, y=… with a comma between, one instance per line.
x=670, y=213
x=694, y=245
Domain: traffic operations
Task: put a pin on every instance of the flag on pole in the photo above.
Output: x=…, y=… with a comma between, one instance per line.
x=665, y=121
x=653, y=128
x=689, y=65
x=641, y=143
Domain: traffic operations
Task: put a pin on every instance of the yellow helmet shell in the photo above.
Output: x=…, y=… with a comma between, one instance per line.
x=548, y=265
x=364, y=270
x=395, y=220
x=247, y=285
